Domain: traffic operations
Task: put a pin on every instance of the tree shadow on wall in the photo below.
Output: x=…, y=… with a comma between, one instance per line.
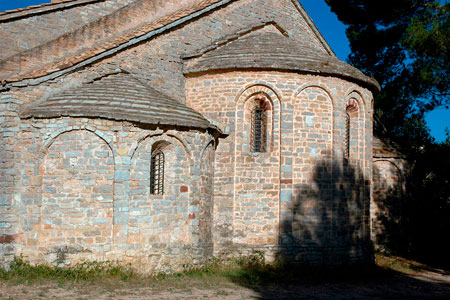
x=325, y=251
x=327, y=222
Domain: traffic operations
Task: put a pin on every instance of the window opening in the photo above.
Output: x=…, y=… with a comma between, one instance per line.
x=347, y=138
x=157, y=174
x=258, y=128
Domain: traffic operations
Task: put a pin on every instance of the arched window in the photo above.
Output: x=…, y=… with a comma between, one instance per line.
x=157, y=173
x=347, y=138
x=258, y=133
x=351, y=130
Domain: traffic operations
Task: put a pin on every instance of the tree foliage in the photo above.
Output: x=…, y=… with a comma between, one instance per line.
x=404, y=44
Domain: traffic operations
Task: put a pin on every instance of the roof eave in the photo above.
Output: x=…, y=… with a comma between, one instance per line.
x=366, y=81
x=116, y=117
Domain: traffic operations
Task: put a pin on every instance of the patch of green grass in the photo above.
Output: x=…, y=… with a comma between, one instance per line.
x=217, y=273
x=20, y=269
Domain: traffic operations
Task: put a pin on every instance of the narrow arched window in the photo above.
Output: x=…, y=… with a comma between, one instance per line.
x=347, y=138
x=157, y=173
x=351, y=131
x=258, y=128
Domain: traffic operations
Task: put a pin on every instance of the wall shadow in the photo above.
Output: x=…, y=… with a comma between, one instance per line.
x=325, y=248
x=411, y=210
x=391, y=215
x=327, y=222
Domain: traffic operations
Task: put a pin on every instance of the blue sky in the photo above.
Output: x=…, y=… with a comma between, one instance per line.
x=332, y=30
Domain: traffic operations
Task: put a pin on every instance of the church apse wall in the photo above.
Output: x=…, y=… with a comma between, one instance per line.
x=308, y=188
x=86, y=194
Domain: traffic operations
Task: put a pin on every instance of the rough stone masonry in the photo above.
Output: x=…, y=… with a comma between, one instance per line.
x=162, y=133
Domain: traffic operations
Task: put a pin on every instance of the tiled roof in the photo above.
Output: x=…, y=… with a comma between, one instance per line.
x=118, y=97
x=275, y=51
x=42, y=8
x=48, y=58
x=386, y=148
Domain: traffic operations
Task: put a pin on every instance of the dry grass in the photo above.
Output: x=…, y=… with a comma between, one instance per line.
x=403, y=265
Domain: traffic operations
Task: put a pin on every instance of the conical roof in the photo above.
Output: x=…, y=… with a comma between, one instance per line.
x=118, y=97
x=274, y=51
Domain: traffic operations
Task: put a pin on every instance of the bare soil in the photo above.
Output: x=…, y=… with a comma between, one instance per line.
x=395, y=279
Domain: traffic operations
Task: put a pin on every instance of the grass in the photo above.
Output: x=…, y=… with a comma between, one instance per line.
x=218, y=277
x=250, y=270
x=20, y=269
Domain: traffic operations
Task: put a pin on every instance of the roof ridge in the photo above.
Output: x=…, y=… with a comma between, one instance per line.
x=42, y=8
x=231, y=38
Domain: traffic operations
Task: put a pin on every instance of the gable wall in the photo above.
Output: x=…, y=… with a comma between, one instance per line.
x=29, y=32
x=159, y=61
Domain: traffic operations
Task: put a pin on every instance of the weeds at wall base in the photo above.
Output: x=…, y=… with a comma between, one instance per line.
x=242, y=268
x=248, y=270
x=22, y=270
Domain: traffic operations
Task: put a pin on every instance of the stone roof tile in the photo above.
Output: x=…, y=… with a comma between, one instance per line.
x=386, y=148
x=275, y=51
x=118, y=97
x=42, y=8
x=23, y=65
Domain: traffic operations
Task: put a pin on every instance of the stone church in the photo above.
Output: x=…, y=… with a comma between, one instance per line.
x=160, y=133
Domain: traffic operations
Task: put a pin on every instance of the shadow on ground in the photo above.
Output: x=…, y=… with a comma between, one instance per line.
x=374, y=284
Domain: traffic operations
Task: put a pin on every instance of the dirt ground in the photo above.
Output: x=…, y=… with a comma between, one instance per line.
x=421, y=283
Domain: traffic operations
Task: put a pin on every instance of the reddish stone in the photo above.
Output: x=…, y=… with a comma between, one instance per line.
x=7, y=239
x=286, y=181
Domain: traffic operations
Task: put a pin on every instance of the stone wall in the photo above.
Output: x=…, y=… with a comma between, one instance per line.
x=83, y=193
x=159, y=63
x=77, y=194
x=300, y=194
x=9, y=129
x=252, y=202
x=390, y=174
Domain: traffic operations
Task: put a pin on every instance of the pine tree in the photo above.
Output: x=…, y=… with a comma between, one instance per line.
x=404, y=44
